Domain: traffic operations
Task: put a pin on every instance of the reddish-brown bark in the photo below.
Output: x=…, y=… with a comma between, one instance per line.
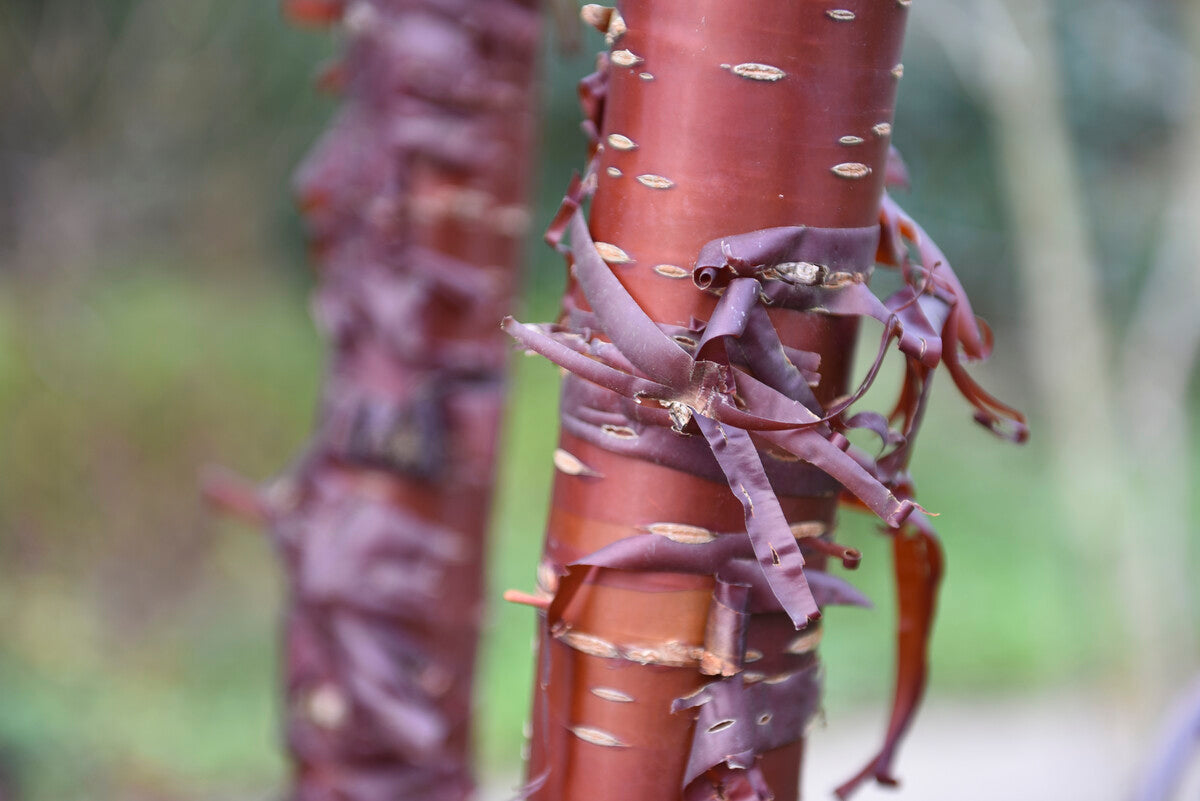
x=740, y=153
x=416, y=204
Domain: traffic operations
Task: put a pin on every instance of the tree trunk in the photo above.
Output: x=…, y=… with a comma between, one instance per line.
x=740, y=154
x=416, y=202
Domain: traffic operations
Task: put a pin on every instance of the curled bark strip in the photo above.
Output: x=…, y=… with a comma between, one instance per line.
x=701, y=384
x=774, y=546
x=752, y=254
x=725, y=631
x=962, y=328
x=636, y=336
x=729, y=718
x=918, y=565
x=233, y=495
x=730, y=558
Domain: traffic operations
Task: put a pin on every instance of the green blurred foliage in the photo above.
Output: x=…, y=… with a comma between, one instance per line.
x=153, y=319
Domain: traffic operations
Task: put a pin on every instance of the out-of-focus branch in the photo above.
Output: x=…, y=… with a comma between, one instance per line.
x=1158, y=359
x=1003, y=50
x=233, y=495
x=1121, y=523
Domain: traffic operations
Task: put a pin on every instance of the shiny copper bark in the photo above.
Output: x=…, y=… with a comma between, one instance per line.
x=717, y=284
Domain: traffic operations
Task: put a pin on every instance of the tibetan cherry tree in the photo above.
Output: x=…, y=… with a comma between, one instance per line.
x=721, y=242
x=416, y=204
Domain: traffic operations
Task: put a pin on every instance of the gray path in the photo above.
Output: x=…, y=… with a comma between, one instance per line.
x=1050, y=748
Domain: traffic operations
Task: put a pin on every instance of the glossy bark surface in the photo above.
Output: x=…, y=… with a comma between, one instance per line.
x=737, y=210
x=719, y=119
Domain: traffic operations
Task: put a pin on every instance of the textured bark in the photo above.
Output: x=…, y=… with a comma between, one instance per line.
x=739, y=159
x=416, y=204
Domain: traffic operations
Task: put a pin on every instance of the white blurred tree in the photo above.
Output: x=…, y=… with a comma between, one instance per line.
x=1114, y=409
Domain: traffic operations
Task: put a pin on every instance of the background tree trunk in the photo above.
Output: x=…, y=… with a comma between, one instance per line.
x=416, y=202
x=745, y=149
x=1115, y=410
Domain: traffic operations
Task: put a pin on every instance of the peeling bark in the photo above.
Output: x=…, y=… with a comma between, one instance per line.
x=703, y=450
x=416, y=204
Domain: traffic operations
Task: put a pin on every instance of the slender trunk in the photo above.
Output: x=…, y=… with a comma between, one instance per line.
x=740, y=155
x=1123, y=488
x=1157, y=363
x=416, y=200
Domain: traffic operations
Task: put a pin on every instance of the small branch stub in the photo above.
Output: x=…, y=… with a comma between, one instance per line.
x=527, y=599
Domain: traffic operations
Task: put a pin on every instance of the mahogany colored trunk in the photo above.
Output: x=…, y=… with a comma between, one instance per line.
x=719, y=119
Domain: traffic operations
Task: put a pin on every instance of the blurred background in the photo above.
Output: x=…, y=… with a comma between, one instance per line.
x=153, y=319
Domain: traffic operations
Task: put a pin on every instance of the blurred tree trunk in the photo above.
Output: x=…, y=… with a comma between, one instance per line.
x=416, y=202
x=1116, y=417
